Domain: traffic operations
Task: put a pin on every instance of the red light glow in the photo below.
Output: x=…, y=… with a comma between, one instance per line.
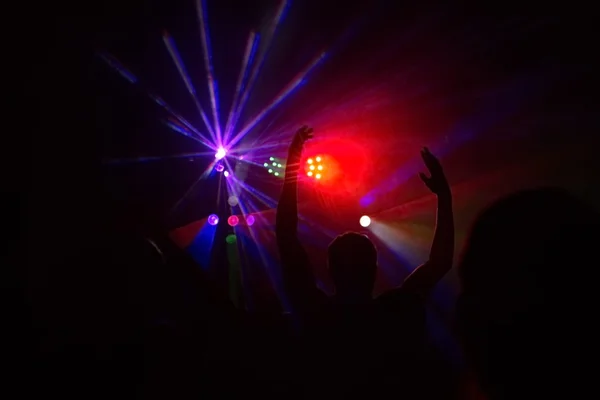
x=337, y=165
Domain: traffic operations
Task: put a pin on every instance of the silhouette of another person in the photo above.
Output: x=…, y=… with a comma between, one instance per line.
x=355, y=331
x=527, y=307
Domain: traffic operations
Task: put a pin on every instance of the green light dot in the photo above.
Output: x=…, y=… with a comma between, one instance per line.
x=270, y=171
x=272, y=159
x=266, y=164
x=231, y=239
x=279, y=165
x=276, y=174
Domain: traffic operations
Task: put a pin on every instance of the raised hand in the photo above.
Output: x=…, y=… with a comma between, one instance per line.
x=301, y=136
x=436, y=182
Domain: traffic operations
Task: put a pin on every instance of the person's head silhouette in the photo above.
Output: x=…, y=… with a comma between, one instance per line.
x=353, y=266
x=524, y=307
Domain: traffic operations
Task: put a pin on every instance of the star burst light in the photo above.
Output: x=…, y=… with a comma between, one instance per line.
x=221, y=140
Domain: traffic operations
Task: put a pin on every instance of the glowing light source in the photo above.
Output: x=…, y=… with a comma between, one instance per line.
x=250, y=220
x=213, y=219
x=233, y=201
x=274, y=166
x=219, y=167
x=365, y=221
x=313, y=165
x=231, y=239
x=226, y=173
x=233, y=220
x=221, y=152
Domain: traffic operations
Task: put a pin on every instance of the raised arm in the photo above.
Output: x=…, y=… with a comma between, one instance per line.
x=423, y=279
x=297, y=276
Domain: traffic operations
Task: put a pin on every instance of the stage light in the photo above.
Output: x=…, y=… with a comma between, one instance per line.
x=365, y=221
x=231, y=239
x=213, y=219
x=313, y=166
x=233, y=201
x=226, y=173
x=274, y=167
x=250, y=220
x=233, y=220
x=219, y=167
x=221, y=152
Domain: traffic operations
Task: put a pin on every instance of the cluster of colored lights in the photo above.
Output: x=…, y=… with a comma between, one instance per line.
x=314, y=167
x=233, y=220
x=274, y=166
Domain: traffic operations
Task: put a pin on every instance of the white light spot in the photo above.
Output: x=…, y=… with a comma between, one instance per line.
x=365, y=221
x=233, y=201
x=221, y=152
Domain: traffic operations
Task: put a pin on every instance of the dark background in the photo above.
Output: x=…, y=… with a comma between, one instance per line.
x=506, y=93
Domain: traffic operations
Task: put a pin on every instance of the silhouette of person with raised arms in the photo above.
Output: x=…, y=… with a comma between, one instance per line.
x=527, y=305
x=358, y=335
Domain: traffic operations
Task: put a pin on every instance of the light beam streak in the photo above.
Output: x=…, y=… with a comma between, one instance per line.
x=184, y=132
x=170, y=44
x=117, y=66
x=251, y=45
x=130, y=77
x=300, y=78
x=263, y=198
x=260, y=61
x=267, y=262
x=212, y=84
x=151, y=158
x=192, y=186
